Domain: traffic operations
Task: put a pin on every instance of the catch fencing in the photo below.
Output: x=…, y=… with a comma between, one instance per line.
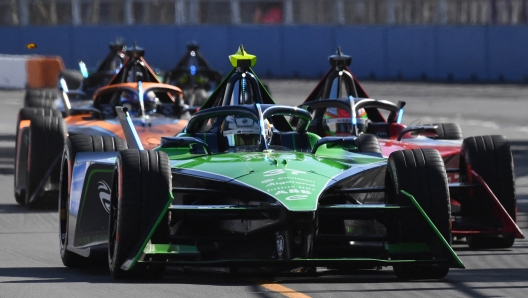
x=290, y=12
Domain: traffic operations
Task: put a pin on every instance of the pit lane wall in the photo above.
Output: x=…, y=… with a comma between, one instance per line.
x=432, y=53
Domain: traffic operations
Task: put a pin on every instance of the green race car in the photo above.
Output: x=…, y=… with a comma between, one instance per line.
x=239, y=187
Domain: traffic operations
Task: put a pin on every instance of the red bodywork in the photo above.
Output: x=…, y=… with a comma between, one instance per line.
x=450, y=151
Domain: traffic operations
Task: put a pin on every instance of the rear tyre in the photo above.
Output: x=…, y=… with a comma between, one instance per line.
x=72, y=77
x=491, y=158
x=46, y=143
x=21, y=149
x=420, y=172
x=368, y=143
x=76, y=144
x=448, y=131
x=40, y=98
x=143, y=182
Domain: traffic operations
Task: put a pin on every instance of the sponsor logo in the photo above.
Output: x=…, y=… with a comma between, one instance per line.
x=296, y=197
x=293, y=190
x=267, y=181
x=104, y=194
x=281, y=171
x=280, y=245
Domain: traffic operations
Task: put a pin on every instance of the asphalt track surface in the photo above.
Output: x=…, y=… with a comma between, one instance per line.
x=30, y=265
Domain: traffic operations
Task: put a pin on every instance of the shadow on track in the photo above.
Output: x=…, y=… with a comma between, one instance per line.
x=18, y=209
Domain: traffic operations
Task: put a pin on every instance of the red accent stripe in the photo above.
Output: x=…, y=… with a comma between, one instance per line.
x=508, y=224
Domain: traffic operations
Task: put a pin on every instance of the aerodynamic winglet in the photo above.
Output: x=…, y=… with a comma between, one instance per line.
x=131, y=135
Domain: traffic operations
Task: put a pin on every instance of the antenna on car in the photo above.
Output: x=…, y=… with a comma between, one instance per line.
x=340, y=61
x=242, y=60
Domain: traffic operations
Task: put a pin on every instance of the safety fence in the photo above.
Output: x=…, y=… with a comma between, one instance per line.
x=428, y=53
x=197, y=12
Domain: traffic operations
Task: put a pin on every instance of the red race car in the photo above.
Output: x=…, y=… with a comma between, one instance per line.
x=480, y=168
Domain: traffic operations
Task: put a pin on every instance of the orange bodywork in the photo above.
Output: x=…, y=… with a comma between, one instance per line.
x=150, y=136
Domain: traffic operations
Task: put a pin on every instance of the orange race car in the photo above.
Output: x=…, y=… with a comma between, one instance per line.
x=157, y=110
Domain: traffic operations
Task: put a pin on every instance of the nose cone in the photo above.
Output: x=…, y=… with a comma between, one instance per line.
x=295, y=180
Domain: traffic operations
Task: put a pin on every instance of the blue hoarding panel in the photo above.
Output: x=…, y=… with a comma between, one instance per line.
x=52, y=41
x=91, y=43
x=457, y=53
x=461, y=53
x=366, y=46
x=11, y=43
x=410, y=52
x=159, y=42
x=508, y=53
x=305, y=49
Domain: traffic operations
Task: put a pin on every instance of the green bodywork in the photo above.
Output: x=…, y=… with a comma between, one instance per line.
x=295, y=179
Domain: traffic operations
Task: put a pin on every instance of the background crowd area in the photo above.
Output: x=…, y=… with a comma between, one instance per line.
x=197, y=12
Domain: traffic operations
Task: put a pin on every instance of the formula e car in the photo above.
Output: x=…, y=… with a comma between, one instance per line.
x=194, y=76
x=157, y=109
x=239, y=187
x=480, y=168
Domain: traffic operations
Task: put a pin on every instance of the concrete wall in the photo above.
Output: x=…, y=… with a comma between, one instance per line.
x=438, y=53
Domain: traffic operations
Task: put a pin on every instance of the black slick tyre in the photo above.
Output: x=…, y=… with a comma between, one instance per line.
x=21, y=149
x=73, y=78
x=491, y=158
x=46, y=143
x=421, y=173
x=76, y=144
x=448, y=131
x=140, y=192
x=40, y=98
x=368, y=143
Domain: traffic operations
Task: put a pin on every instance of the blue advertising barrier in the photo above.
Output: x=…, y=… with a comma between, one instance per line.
x=438, y=53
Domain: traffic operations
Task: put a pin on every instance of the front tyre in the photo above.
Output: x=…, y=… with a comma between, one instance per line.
x=77, y=144
x=140, y=192
x=448, y=131
x=420, y=172
x=368, y=143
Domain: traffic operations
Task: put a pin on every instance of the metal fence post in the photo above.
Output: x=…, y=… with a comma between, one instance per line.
x=179, y=12
x=391, y=12
x=129, y=13
x=288, y=11
x=442, y=12
x=24, y=12
x=340, y=11
x=235, y=12
x=76, y=13
x=193, y=12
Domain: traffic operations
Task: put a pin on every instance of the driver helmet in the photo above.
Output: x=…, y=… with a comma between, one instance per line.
x=131, y=102
x=338, y=122
x=116, y=63
x=241, y=131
